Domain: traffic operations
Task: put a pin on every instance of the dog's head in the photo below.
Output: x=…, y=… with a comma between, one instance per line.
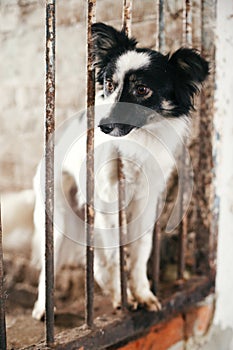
x=143, y=77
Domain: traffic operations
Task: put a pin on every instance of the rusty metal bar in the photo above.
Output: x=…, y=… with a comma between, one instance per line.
x=157, y=4
x=89, y=217
x=206, y=227
x=159, y=46
x=182, y=232
x=182, y=247
x=127, y=16
x=49, y=169
x=2, y=295
x=183, y=227
x=122, y=234
x=161, y=36
x=187, y=22
x=126, y=27
x=156, y=253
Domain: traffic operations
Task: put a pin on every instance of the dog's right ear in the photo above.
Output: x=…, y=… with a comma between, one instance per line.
x=109, y=42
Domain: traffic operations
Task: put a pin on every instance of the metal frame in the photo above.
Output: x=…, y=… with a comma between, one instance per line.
x=117, y=330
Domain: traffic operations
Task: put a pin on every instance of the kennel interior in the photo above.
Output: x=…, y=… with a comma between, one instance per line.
x=183, y=263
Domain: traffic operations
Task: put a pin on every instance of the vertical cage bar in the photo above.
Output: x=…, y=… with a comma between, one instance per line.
x=157, y=5
x=156, y=253
x=123, y=234
x=187, y=22
x=49, y=169
x=159, y=26
x=126, y=27
x=89, y=218
x=127, y=16
x=183, y=227
x=2, y=294
x=206, y=230
x=161, y=36
x=159, y=45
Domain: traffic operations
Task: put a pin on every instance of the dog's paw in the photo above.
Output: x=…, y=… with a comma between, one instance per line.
x=149, y=301
x=38, y=312
x=132, y=303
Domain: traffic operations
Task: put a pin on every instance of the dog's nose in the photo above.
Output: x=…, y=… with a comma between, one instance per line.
x=107, y=128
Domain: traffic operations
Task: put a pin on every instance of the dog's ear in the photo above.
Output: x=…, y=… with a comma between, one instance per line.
x=107, y=43
x=189, y=70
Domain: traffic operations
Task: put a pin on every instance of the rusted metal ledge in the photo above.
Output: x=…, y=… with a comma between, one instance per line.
x=114, y=331
x=2, y=295
x=49, y=168
x=89, y=218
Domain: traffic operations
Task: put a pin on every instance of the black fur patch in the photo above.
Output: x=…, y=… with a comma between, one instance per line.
x=174, y=79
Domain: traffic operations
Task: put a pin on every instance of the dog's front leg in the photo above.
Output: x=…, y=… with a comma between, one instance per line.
x=39, y=308
x=107, y=273
x=39, y=244
x=141, y=217
x=106, y=268
x=139, y=252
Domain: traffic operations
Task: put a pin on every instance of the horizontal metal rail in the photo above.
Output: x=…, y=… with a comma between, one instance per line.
x=114, y=331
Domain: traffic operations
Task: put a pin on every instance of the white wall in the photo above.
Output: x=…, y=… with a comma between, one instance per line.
x=224, y=119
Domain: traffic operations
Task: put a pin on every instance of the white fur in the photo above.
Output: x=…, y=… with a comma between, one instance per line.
x=128, y=61
x=148, y=157
x=17, y=220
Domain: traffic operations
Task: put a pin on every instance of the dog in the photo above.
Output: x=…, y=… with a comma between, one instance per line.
x=142, y=115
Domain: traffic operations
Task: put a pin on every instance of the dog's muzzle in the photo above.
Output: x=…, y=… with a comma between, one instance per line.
x=115, y=129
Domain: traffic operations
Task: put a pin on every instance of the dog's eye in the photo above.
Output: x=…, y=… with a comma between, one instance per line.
x=142, y=90
x=109, y=86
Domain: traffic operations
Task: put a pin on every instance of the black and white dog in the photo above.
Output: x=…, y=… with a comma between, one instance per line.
x=142, y=114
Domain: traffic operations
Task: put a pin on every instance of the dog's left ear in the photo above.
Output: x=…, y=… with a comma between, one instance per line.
x=189, y=70
x=107, y=43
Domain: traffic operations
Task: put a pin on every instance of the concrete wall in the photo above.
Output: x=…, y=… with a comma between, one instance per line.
x=224, y=120
x=220, y=336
